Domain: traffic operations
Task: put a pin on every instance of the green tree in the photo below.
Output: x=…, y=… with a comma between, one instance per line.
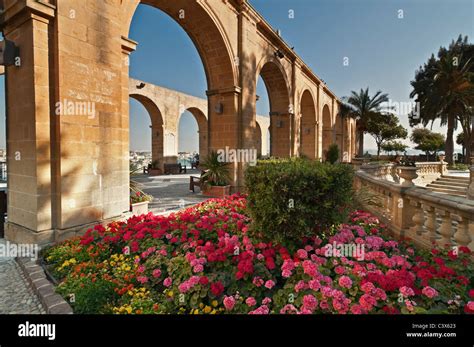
x=427, y=141
x=363, y=105
x=394, y=146
x=384, y=127
x=444, y=89
x=460, y=140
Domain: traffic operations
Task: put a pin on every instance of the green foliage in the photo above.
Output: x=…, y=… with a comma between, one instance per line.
x=427, y=141
x=295, y=198
x=216, y=170
x=332, y=156
x=394, y=146
x=384, y=127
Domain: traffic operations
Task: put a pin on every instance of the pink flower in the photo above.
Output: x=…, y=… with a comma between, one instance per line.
x=345, y=282
x=302, y=254
x=314, y=284
x=260, y=256
x=156, y=273
x=269, y=284
x=261, y=310
x=168, y=282
x=367, y=287
x=286, y=273
x=300, y=286
x=310, y=268
x=251, y=301
x=258, y=281
x=229, y=302
x=367, y=302
x=310, y=302
x=142, y=279
x=289, y=308
x=266, y=301
x=184, y=287
x=430, y=292
x=357, y=309
x=339, y=270
x=198, y=268
x=406, y=291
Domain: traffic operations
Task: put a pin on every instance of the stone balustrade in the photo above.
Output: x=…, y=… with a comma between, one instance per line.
x=415, y=212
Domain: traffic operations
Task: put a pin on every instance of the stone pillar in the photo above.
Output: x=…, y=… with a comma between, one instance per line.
x=30, y=123
x=470, y=191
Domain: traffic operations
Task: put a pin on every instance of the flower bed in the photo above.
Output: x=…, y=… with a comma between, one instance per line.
x=201, y=260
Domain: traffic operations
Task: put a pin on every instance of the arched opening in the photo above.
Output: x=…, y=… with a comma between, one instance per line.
x=328, y=132
x=156, y=134
x=192, y=135
x=280, y=111
x=308, y=128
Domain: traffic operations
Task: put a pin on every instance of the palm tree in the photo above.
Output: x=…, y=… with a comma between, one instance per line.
x=363, y=105
x=445, y=90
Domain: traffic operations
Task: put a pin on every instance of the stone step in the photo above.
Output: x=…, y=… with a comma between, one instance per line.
x=449, y=184
x=454, y=178
x=449, y=191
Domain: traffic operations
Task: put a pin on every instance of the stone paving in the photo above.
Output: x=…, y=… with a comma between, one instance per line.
x=170, y=192
x=16, y=296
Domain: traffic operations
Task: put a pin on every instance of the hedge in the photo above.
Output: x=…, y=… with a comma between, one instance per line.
x=289, y=199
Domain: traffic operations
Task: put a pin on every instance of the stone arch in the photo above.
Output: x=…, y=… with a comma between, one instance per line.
x=309, y=127
x=157, y=127
x=328, y=130
x=201, y=120
x=281, y=109
x=204, y=29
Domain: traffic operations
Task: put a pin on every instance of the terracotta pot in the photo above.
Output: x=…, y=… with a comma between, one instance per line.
x=140, y=208
x=216, y=191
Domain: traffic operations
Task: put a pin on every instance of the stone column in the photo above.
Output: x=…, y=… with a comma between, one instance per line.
x=30, y=120
x=470, y=191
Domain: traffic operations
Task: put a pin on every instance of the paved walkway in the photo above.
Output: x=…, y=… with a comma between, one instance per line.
x=170, y=192
x=16, y=296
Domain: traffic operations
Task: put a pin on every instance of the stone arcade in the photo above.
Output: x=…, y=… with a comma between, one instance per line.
x=74, y=169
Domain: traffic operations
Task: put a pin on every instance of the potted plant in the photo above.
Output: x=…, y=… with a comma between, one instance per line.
x=139, y=200
x=154, y=168
x=215, y=177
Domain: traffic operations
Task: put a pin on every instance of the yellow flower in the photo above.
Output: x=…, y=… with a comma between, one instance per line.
x=213, y=312
x=207, y=309
x=129, y=310
x=201, y=305
x=214, y=303
x=196, y=311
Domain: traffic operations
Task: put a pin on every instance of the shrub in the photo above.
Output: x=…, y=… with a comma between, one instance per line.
x=294, y=198
x=333, y=154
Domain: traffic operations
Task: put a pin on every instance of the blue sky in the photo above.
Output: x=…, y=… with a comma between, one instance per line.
x=383, y=50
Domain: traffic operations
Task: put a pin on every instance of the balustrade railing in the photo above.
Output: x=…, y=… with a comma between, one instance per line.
x=416, y=212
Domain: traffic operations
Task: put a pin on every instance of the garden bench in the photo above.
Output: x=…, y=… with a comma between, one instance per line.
x=174, y=169
x=195, y=181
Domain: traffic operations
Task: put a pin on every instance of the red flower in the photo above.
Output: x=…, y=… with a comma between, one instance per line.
x=217, y=288
x=203, y=280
